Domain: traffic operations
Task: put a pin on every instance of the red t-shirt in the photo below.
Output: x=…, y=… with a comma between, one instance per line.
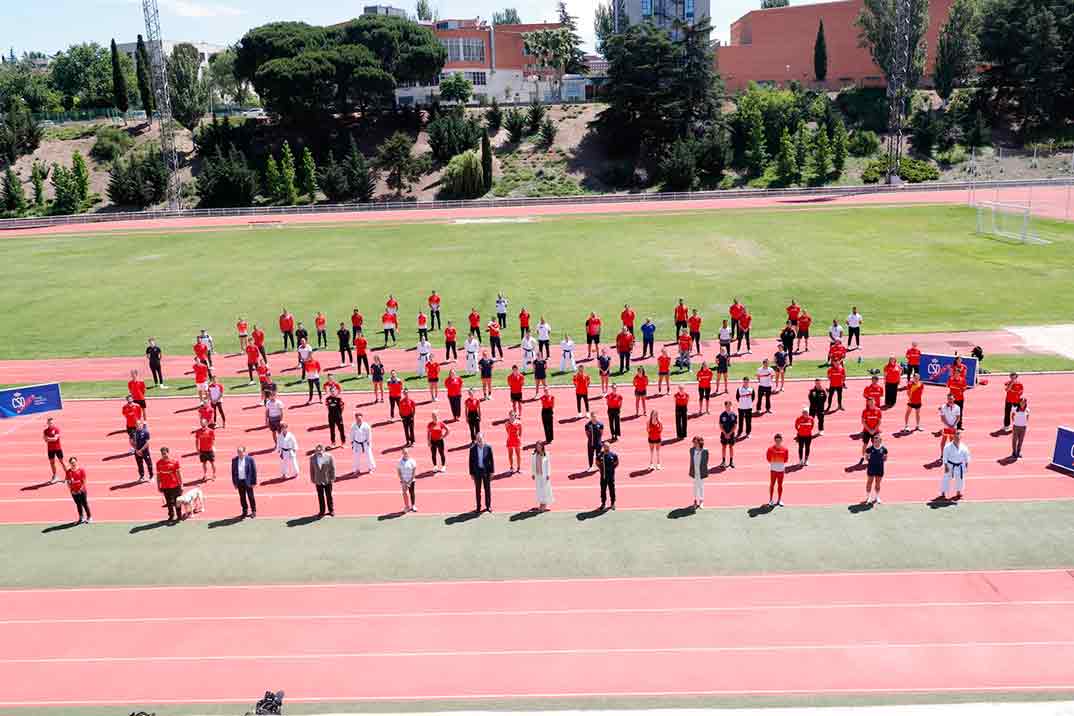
x=704, y=378
x=1014, y=392
x=837, y=352
x=76, y=479
x=874, y=391
x=524, y=319
x=434, y=302
x=52, y=438
x=803, y=426
x=137, y=389
x=356, y=320
x=389, y=320
x=548, y=401
x=475, y=319
x=205, y=438
x=201, y=373
x=330, y=385
x=870, y=417
x=259, y=337
x=320, y=321
x=624, y=342
x=132, y=413
x=745, y=321
x=422, y=320
x=406, y=407
x=201, y=351
x=514, y=434
x=778, y=454
x=914, y=392
x=263, y=373
x=956, y=385
x=682, y=399
x=205, y=412
x=682, y=312
x=736, y=310
x=837, y=376
x=287, y=322
x=694, y=324
x=892, y=373
x=436, y=430
x=168, y=474
x=663, y=364
x=804, y=321
x=592, y=326
x=654, y=429
x=450, y=333
x=685, y=342
x=473, y=405
x=242, y=327
x=581, y=384
x=252, y=354
x=360, y=345
x=913, y=356
x=641, y=382
x=313, y=368
x=515, y=381
x=793, y=311
x=392, y=305
x=395, y=388
x=613, y=400
x=494, y=329
x=454, y=386
x=627, y=317
x=432, y=370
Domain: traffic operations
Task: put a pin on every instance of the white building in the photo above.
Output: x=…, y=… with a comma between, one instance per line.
x=205, y=50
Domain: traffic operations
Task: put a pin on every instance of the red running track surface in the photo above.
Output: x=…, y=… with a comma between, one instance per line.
x=93, y=431
x=770, y=634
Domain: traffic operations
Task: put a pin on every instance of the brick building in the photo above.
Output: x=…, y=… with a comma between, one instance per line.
x=776, y=46
x=492, y=57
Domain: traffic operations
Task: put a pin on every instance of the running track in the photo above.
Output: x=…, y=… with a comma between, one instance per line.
x=92, y=430
x=178, y=359
x=769, y=634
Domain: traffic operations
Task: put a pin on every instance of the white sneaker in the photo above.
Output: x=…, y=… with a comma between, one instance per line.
x=876, y=500
x=659, y=466
x=780, y=503
x=771, y=503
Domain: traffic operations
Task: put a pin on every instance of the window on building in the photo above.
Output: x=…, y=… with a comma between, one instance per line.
x=688, y=10
x=646, y=8
x=477, y=78
x=464, y=49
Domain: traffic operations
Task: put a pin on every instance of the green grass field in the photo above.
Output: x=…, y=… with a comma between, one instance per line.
x=908, y=269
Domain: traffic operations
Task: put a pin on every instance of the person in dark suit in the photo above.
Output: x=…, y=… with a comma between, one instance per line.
x=323, y=475
x=482, y=465
x=244, y=477
x=594, y=438
x=607, y=462
x=699, y=470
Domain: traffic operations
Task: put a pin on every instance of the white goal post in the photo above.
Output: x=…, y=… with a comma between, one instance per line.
x=1010, y=220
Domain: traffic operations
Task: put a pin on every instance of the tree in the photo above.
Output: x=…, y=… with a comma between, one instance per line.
x=840, y=140
x=19, y=132
x=139, y=180
x=65, y=191
x=276, y=40
x=678, y=167
x=288, y=189
x=548, y=132
x=876, y=25
x=80, y=173
x=452, y=134
x=309, y=175
x=802, y=145
x=120, y=98
x=694, y=90
x=768, y=4
x=226, y=180
x=38, y=174
x=456, y=88
x=224, y=80
x=463, y=178
x=83, y=75
x=14, y=195
x=534, y=116
x=609, y=18
x=494, y=117
x=273, y=186
x=507, y=16
x=189, y=91
x=486, y=161
x=820, y=55
x=515, y=124
x=575, y=62
x=786, y=160
x=145, y=84
x=423, y=11
x=756, y=153
x=822, y=156
x=332, y=178
x=558, y=50
x=394, y=157
x=957, y=49
x=361, y=176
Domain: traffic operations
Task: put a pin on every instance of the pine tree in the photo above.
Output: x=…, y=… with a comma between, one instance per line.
x=37, y=176
x=65, y=191
x=839, y=147
x=288, y=190
x=273, y=187
x=145, y=85
x=820, y=55
x=119, y=83
x=756, y=155
x=486, y=161
x=332, y=179
x=14, y=196
x=360, y=178
x=822, y=156
x=786, y=161
x=309, y=175
x=801, y=149
x=81, y=176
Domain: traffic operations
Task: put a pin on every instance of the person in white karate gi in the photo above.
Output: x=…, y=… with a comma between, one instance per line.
x=956, y=459
x=472, y=347
x=287, y=447
x=425, y=349
x=362, y=444
x=529, y=351
x=566, y=360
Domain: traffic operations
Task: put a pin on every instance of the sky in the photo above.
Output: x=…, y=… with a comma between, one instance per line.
x=52, y=25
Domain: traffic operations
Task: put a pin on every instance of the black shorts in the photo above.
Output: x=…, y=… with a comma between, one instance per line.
x=704, y=393
x=915, y=406
x=274, y=424
x=433, y=381
x=654, y=442
x=665, y=373
x=140, y=403
x=727, y=439
x=206, y=456
x=516, y=397
x=803, y=334
x=870, y=473
x=867, y=437
x=55, y=454
x=640, y=393
x=592, y=340
x=721, y=371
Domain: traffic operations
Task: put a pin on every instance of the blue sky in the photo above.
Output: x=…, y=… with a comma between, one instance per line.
x=51, y=25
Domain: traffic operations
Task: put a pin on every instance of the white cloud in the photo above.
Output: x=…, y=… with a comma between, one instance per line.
x=186, y=8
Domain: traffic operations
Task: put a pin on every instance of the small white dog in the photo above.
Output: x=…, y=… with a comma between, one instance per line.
x=191, y=501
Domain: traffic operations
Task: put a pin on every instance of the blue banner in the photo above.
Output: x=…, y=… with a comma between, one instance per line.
x=936, y=369
x=1063, y=457
x=30, y=399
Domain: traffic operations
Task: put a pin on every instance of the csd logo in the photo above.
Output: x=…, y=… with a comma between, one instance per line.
x=934, y=368
x=18, y=403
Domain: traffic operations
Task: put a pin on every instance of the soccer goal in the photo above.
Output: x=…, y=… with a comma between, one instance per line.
x=1010, y=220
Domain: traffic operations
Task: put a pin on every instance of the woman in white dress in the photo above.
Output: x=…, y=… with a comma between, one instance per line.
x=541, y=466
x=472, y=347
x=566, y=361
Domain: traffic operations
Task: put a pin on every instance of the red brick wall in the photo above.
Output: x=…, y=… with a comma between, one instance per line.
x=765, y=42
x=509, y=45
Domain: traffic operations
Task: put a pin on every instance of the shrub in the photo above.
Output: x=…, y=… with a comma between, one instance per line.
x=19, y=132
x=911, y=170
x=864, y=107
x=65, y=191
x=451, y=134
x=713, y=152
x=111, y=144
x=486, y=161
x=678, y=167
x=223, y=134
x=14, y=197
x=863, y=143
x=361, y=175
x=620, y=173
x=463, y=178
x=534, y=116
x=80, y=173
x=226, y=180
x=138, y=180
x=924, y=131
x=954, y=155
x=494, y=117
x=839, y=147
x=548, y=132
x=332, y=179
x=515, y=124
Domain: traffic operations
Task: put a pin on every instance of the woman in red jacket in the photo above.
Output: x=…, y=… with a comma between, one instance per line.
x=655, y=430
x=641, y=388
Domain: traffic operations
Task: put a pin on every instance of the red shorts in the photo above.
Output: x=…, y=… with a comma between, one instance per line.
x=949, y=432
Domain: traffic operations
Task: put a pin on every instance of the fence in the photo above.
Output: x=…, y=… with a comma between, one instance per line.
x=417, y=206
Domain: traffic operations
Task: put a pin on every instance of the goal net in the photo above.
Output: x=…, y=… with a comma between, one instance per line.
x=1010, y=220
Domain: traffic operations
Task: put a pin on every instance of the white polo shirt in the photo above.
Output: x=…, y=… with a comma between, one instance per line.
x=854, y=320
x=725, y=335
x=745, y=398
x=544, y=331
x=949, y=414
x=406, y=469
x=764, y=377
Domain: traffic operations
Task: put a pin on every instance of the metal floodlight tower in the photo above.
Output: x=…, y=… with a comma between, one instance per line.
x=897, y=89
x=164, y=104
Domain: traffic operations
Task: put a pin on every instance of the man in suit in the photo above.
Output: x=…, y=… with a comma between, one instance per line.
x=481, y=468
x=594, y=435
x=699, y=470
x=244, y=477
x=322, y=475
x=607, y=462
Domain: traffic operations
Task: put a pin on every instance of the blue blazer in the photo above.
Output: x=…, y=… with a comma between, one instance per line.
x=251, y=471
